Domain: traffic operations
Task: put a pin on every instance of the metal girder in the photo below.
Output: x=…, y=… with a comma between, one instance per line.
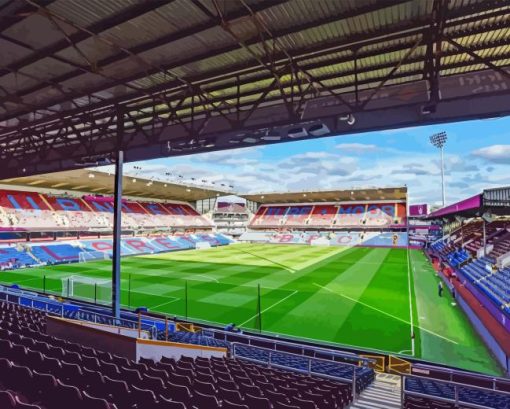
x=137, y=9
x=178, y=103
x=434, y=47
x=358, y=41
x=14, y=11
x=147, y=46
x=183, y=116
x=457, y=109
x=477, y=57
x=252, y=41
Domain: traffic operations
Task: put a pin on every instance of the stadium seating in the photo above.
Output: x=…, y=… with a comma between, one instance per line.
x=444, y=390
x=380, y=215
x=337, y=238
x=98, y=249
x=12, y=257
x=456, y=258
x=45, y=371
x=56, y=253
x=492, y=282
x=34, y=211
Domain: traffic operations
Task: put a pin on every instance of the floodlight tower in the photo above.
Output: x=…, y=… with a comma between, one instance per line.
x=439, y=141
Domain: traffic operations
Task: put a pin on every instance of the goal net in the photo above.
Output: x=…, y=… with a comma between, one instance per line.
x=200, y=245
x=98, y=290
x=85, y=256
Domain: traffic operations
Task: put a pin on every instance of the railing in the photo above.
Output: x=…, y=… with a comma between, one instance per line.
x=453, y=375
x=309, y=360
x=456, y=386
x=280, y=346
x=398, y=365
x=378, y=363
x=55, y=308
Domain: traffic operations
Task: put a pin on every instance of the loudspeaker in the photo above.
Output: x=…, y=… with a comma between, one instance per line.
x=488, y=217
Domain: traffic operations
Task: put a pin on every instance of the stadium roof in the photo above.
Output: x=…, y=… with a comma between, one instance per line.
x=102, y=183
x=495, y=201
x=372, y=194
x=81, y=80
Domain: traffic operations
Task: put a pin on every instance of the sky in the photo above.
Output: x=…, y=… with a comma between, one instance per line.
x=477, y=156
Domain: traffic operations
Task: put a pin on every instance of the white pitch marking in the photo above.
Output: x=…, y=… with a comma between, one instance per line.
x=410, y=299
x=268, y=308
x=209, y=278
x=384, y=312
x=165, y=303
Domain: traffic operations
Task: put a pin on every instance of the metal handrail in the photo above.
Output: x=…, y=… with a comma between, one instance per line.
x=96, y=316
x=456, y=386
x=423, y=395
x=340, y=354
x=459, y=372
x=309, y=371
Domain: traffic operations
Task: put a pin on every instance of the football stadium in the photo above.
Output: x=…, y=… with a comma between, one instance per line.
x=126, y=284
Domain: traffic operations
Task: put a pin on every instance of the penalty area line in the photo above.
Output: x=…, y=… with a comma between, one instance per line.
x=384, y=312
x=268, y=308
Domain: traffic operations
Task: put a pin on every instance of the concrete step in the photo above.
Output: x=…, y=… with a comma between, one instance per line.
x=384, y=393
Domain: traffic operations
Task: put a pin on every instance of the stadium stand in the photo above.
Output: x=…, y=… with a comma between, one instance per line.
x=493, y=282
x=462, y=250
x=40, y=370
x=331, y=238
x=44, y=371
x=58, y=252
x=429, y=391
x=330, y=216
x=32, y=211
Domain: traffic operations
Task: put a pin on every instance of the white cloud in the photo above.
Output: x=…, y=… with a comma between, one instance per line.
x=494, y=153
x=357, y=147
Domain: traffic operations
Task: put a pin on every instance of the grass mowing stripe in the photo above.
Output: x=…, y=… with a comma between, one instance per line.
x=384, y=312
x=270, y=307
x=411, y=317
x=155, y=307
x=311, y=313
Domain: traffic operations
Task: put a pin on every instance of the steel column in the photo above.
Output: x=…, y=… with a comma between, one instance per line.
x=442, y=178
x=484, y=237
x=117, y=229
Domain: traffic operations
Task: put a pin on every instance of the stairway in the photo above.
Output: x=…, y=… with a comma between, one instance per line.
x=384, y=393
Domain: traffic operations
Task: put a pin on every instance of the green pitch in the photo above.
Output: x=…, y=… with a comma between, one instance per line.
x=363, y=297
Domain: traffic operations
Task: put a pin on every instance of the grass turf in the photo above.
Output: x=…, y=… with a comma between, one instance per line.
x=364, y=297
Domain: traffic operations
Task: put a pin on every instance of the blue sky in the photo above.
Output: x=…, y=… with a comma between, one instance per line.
x=477, y=156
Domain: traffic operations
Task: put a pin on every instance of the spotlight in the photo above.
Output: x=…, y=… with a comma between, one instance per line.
x=439, y=139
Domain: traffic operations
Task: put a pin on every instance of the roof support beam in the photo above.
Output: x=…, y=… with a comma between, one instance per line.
x=478, y=58
x=138, y=9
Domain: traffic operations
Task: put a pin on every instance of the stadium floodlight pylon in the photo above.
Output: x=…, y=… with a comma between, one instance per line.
x=439, y=141
x=97, y=290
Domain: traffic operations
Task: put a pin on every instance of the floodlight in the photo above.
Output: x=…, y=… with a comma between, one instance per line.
x=439, y=141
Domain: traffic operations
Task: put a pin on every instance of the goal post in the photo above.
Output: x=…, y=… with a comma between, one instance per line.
x=201, y=245
x=98, y=290
x=86, y=256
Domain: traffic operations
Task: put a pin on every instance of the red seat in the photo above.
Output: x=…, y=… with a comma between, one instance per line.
x=229, y=405
x=7, y=401
x=169, y=404
x=90, y=402
x=22, y=405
